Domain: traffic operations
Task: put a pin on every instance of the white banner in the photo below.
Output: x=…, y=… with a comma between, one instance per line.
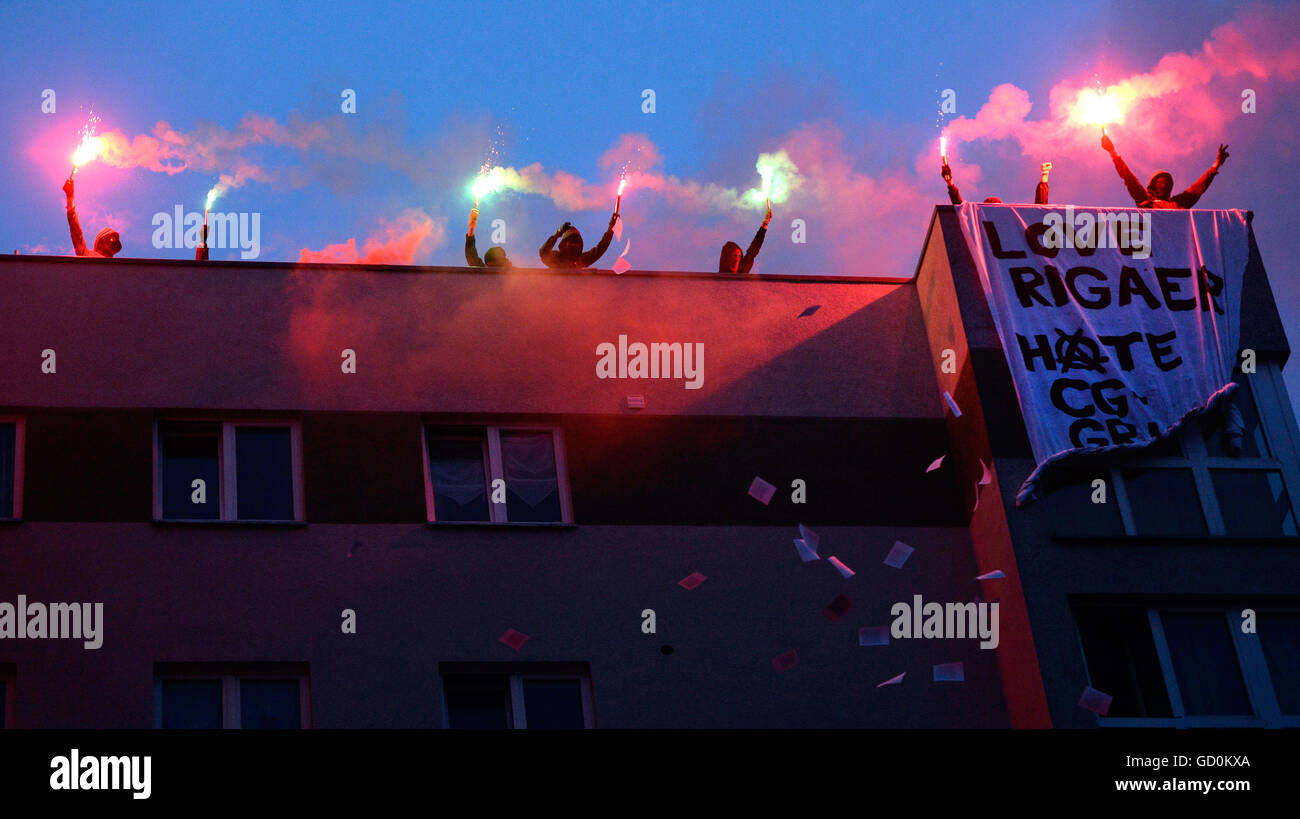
x=1116, y=322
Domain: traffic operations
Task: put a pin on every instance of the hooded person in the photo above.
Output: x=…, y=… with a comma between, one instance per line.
x=1040, y=192
x=1156, y=194
x=733, y=261
x=495, y=257
x=569, y=251
x=107, y=242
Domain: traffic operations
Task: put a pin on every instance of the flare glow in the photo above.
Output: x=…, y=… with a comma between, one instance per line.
x=780, y=176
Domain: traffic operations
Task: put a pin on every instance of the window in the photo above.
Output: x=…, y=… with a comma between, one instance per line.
x=203, y=696
x=11, y=468
x=7, y=674
x=1201, y=482
x=231, y=470
x=1185, y=667
x=537, y=696
x=494, y=474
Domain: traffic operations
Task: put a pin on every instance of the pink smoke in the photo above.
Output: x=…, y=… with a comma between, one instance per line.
x=409, y=239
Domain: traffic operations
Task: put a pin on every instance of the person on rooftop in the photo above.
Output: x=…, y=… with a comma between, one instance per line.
x=1157, y=192
x=107, y=241
x=569, y=253
x=1040, y=192
x=495, y=257
x=733, y=261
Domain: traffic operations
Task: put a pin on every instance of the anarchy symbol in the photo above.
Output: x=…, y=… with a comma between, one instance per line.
x=1069, y=353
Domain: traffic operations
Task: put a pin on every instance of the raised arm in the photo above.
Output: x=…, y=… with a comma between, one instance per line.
x=471, y=251
x=1135, y=188
x=747, y=261
x=1189, y=197
x=74, y=224
x=592, y=256
x=1041, y=192
x=546, y=253
x=954, y=195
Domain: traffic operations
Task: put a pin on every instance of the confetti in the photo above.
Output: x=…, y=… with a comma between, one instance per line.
x=809, y=311
x=806, y=552
x=949, y=672
x=786, y=661
x=636, y=402
x=837, y=609
x=1095, y=701
x=987, y=477
x=844, y=570
x=956, y=410
x=692, y=581
x=935, y=463
x=873, y=636
x=761, y=491
x=809, y=536
x=898, y=555
x=893, y=680
x=513, y=638
x=996, y=574
x=618, y=229
x=621, y=265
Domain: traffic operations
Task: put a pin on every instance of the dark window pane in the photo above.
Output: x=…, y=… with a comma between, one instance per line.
x=8, y=436
x=1122, y=660
x=456, y=469
x=263, y=473
x=1240, y=408
x=1164, y=502
x=269, y=704
x=191, y=703
x=3, y=702
x=532, y=488
x=553, y=704
x=1074, y=514
x=478, y=701
x=1166, y=447
x=1205, y=663
x=1279, y=635
x=1253, y=502
x=185, y=459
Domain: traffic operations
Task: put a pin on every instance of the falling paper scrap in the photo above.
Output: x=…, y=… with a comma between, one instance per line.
x=621, y=264
x=898, y=555
x=691, y=581
x=809, y=536
x=996, y=574
x=761, y=491
x=809, y=311
x=786, y=661
x=893, y=680
x=636, y=402
x=513, y=638
x=949, y=672
x=873, y=636
x=837, y=609
x=956, y=410
x=618, y=229
x=935, y=463
x=806, y=552
x=987, y=477
x=837, y=563
x=1095, y=701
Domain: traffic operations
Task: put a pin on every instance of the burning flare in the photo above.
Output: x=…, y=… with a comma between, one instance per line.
x=89, y=148
x=1092, y=107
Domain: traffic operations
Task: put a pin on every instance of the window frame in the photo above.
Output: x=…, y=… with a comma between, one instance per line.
x=226, y=467
x=20, y=458
x=494, y=469
x=8, y=676
x=1264, y=385
x=230, y=678
x=1251, y=663
x=517, y=717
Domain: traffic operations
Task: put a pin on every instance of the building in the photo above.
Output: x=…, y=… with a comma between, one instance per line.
x=281, y=482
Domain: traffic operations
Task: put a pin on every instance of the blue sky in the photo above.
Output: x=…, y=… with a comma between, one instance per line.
x=438, y=85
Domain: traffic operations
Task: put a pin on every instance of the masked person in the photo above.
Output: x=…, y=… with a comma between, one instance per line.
x=732, y=261
x=1040, y=192
x=107, y=242
x=1157, y=192
x=569, y=252
x=495, y=257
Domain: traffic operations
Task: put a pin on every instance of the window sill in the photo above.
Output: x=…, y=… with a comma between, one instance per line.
x=268, y=523
x=1210, y=540
x=471, y=524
